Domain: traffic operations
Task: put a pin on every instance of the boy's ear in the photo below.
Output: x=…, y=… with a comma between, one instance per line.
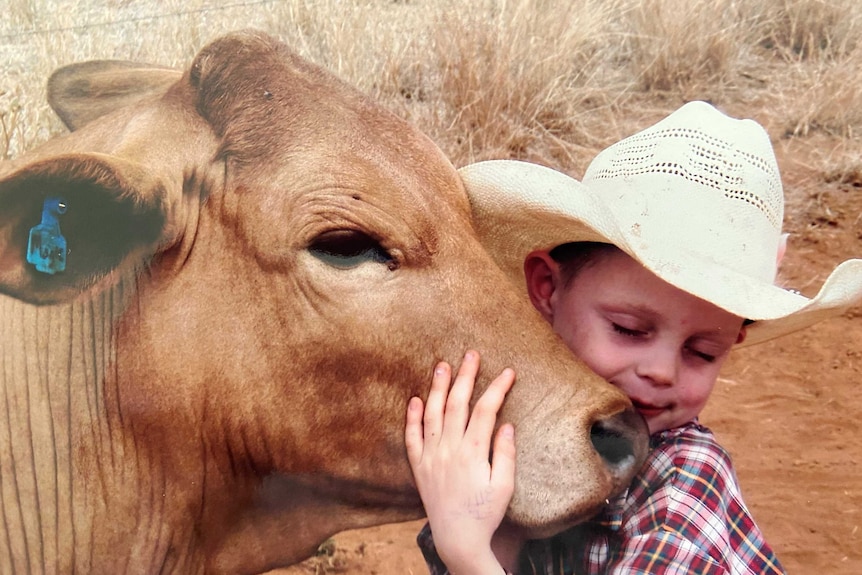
x=542, y=274
x=743, y=331
x=782, y=249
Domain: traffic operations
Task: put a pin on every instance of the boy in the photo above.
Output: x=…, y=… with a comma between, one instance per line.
x=651, y=271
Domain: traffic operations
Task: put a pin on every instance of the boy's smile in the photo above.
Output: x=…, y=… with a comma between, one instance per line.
x=648, y=410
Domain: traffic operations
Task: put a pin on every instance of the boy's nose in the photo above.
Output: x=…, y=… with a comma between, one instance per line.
x=659, y=366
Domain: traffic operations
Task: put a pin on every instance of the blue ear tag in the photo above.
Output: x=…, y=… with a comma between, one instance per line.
x=47, y=247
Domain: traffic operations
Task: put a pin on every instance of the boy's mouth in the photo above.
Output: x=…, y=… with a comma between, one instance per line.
x=647, y=409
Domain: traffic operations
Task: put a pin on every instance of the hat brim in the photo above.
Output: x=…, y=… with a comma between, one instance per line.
x=520, y=207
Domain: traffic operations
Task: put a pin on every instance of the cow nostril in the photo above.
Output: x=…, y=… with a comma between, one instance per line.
x=610, y=443
x=621, y=440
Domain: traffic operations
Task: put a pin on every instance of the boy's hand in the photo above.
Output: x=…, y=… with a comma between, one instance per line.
x=465, y=495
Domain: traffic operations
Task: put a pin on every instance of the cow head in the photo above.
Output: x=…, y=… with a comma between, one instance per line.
x=285, y=263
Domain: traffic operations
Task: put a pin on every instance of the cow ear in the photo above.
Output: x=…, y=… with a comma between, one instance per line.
x=80, y=93
x=104, y=214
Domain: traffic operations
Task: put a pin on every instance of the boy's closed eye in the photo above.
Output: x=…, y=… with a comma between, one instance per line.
x=631, y=325
x=708, y=349
x=628, y=332
x=707, y=357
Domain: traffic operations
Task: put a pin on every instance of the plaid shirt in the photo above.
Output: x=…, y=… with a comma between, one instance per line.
x=682, y=514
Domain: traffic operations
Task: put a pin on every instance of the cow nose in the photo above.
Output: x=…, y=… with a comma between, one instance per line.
x=622, y=440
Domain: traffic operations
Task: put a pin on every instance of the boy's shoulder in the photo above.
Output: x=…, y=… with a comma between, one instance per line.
x=688, y=454
x=691, y=433
x=686, y=476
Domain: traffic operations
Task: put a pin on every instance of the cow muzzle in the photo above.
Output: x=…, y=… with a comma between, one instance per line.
x=622, y=441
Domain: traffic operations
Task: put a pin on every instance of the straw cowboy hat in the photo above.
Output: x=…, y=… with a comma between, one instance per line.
x=696, y=199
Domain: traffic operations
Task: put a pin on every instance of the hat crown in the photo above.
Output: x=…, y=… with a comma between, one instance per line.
x=700, y=181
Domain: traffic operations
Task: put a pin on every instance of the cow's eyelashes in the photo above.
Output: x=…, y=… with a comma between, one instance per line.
x=349, y=248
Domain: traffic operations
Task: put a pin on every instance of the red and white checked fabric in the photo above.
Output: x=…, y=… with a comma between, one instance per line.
x=682, y=514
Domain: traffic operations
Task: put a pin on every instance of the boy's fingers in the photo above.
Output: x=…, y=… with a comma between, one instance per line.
x=458, y=402
x=484, y=417
x=413, y=440
x=503, y=459
x=433, y=416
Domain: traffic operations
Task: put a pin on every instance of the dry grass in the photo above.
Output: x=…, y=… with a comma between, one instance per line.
x=810, y=29
x=545, y=80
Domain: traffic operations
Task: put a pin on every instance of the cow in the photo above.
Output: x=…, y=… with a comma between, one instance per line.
x=259, y=267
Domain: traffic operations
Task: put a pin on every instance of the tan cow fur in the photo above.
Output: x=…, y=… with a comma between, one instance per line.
x=198, y=392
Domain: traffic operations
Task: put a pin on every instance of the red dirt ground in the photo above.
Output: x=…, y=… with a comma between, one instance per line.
x=789, y=411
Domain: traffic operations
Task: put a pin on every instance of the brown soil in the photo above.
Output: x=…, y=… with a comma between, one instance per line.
x=789, y=411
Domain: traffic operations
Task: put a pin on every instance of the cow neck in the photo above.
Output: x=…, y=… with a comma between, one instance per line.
x=54, y=362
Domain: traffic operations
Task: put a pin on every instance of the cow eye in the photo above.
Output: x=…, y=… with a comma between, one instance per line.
x=348, y=248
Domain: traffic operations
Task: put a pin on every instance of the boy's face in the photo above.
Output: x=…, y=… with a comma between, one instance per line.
x=662, y=346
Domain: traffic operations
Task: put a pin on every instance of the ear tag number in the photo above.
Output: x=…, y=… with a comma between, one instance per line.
x=46, y=248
